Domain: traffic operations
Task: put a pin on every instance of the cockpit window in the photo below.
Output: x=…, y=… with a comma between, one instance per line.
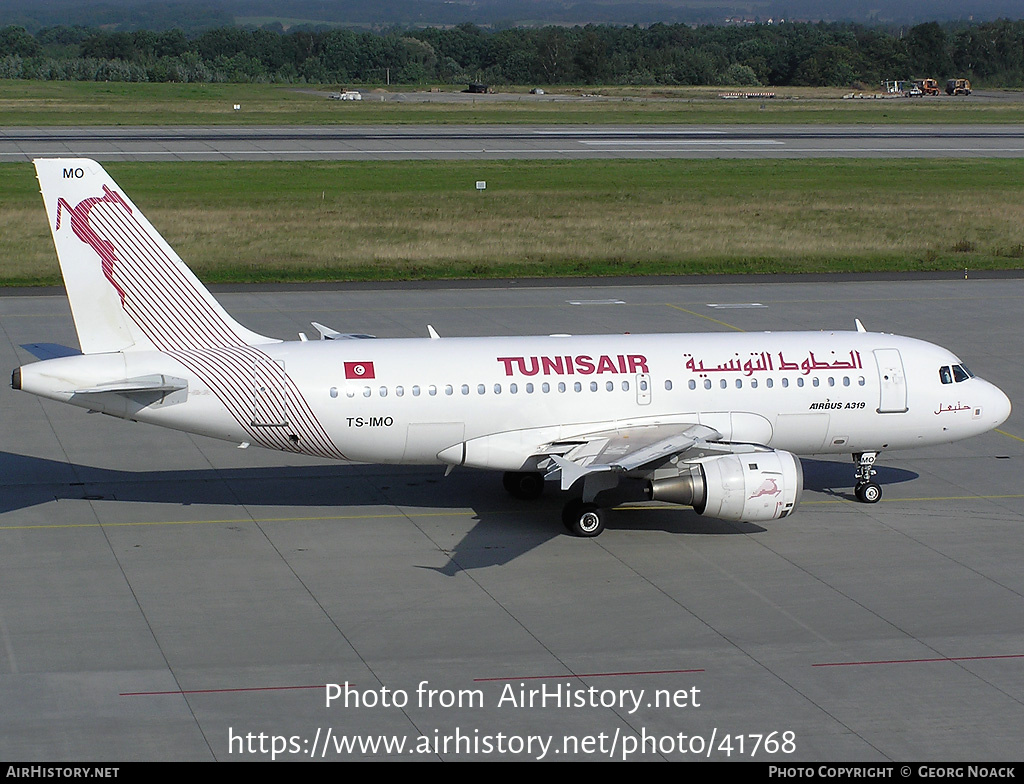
x=956, y=373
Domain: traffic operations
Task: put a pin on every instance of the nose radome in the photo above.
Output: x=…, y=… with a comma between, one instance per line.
x=1001, y=406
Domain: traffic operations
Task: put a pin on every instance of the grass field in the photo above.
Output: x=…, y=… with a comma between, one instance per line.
x=401, y=220
x=25, y=103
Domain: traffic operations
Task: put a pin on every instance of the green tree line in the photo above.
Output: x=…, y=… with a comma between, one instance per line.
x=820, y=54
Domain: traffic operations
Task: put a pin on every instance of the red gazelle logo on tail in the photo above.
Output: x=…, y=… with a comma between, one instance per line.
x=86, y=233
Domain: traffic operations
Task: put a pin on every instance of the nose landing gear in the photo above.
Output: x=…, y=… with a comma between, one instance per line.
x=867, y=492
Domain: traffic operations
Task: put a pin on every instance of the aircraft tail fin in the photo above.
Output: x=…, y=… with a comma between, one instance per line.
x=129, y=290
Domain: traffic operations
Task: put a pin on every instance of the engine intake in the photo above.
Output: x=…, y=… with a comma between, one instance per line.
x=748, y=487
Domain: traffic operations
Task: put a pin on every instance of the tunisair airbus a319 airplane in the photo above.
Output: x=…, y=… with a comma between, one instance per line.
x=712, y=421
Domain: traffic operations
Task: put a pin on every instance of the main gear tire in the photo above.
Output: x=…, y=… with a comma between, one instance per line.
x=583, y=519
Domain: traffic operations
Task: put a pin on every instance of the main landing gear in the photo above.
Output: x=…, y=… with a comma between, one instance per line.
x=867, y=492
x=580, y=518
x=526, y=485
x=583, y=519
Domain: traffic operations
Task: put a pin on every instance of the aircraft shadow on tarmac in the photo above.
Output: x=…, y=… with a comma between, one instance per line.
x=836, y=478
x=505, y=528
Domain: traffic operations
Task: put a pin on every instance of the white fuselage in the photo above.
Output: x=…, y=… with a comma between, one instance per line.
x=494, y=402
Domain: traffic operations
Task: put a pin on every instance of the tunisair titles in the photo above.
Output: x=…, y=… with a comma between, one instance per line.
x=764, y=362
x=574, y=364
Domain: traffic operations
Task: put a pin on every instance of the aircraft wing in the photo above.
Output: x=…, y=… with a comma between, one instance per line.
x=629, y=449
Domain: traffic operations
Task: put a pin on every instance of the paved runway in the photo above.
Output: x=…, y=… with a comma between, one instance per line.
x=165, y=596
x=499, y=142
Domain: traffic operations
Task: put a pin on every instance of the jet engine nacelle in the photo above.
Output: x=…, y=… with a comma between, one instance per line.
x=747, y=487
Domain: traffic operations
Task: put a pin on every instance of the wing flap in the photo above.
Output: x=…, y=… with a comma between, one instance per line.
x=629, y=449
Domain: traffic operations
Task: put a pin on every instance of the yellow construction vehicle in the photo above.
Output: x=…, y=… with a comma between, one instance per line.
x=958, y=87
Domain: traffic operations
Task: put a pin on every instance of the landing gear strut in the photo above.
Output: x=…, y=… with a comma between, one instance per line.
x=867, y=492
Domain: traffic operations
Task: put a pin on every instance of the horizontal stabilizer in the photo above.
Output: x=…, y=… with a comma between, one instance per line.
x=326, y=333
x=50, y=350
x=159, y=384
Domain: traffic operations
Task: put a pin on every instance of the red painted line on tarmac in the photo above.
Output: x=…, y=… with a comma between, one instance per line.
x=213, y=691
x=920, y=661
x=585, y=675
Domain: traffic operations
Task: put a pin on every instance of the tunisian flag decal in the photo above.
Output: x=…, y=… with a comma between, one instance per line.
x=359, y=370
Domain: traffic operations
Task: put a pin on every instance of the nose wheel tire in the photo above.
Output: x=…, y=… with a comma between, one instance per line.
x=583, y=519
x=868, y=492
